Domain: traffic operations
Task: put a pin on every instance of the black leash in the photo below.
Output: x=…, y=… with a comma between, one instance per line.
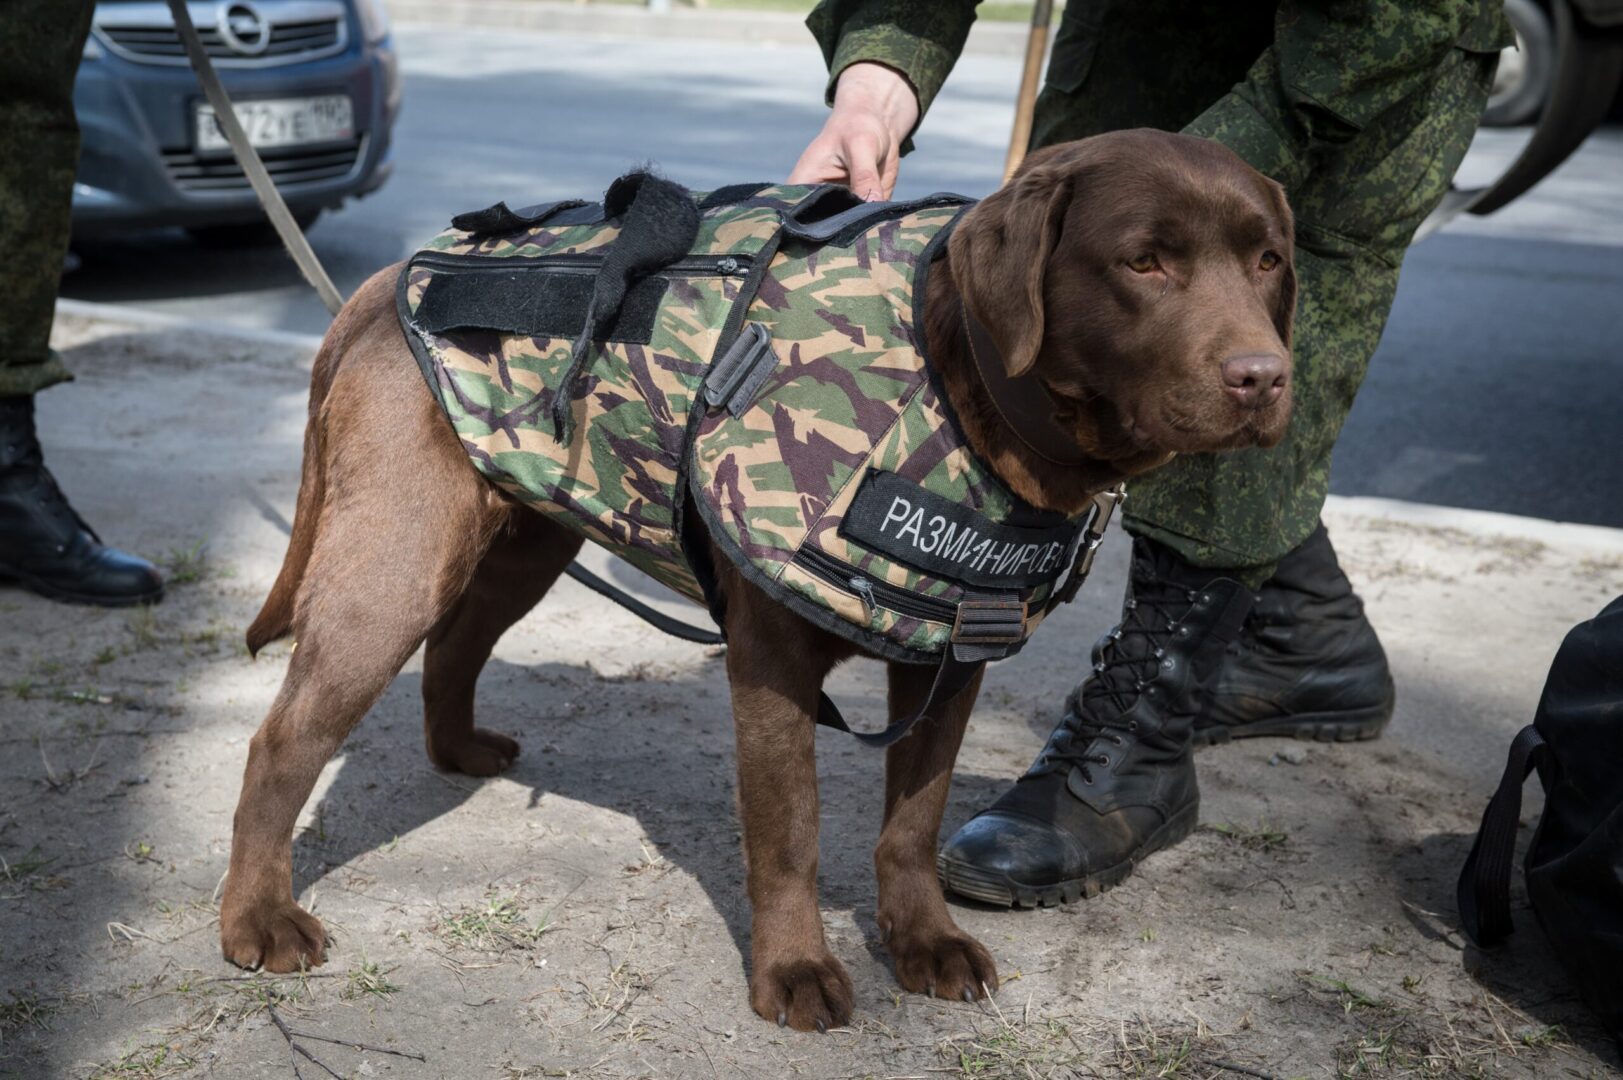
x=952, y=676
x=653, y=617
x=247, y=157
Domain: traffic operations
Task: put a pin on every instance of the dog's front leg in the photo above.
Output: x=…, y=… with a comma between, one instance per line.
x=932, y=955
x=776, y=673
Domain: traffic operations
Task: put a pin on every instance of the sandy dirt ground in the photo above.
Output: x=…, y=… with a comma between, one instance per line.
x=583, y=915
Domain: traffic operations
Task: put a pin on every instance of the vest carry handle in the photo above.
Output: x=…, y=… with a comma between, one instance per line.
x=1483, y=893
x=835, y=228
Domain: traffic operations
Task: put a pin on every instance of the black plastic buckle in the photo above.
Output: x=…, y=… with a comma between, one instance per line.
x=990, y=622
x=736, y=378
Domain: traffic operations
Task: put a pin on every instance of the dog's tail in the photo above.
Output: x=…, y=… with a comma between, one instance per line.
x=275, y=619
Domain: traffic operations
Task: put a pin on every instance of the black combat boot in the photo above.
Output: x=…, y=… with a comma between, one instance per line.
x=44, y=545
x=1116, y=780
x=1307, y=664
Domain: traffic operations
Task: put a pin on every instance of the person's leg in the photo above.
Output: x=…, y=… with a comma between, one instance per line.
x=1116, y=779
x=1151, y=63
x=1355, y=217
x=43, y=543
x=39, y=152
x=1310, y=664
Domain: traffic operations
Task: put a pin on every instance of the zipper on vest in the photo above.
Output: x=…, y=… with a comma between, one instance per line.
x=584, y=262
x=872, y=592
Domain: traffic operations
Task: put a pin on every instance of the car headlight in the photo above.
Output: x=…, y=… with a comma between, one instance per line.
x=92, y=49
x=374, y=20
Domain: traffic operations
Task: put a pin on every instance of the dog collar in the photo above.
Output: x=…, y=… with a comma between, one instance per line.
x=1022, y=401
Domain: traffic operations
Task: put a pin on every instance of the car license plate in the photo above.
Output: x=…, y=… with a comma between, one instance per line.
x=286, y=122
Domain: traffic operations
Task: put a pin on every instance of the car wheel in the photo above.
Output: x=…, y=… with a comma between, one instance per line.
x=249, y=234
x=1526, y=70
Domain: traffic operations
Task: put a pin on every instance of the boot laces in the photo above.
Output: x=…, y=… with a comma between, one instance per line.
x=1125, y=665
x=25, y=459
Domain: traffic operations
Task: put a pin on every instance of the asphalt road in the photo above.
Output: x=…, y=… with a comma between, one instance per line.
x=1498, y=386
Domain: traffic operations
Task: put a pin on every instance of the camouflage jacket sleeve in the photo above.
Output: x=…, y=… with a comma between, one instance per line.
x=1334, y=66
x=919, y=38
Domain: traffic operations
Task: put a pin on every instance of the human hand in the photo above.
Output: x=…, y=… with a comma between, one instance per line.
x=860, y=146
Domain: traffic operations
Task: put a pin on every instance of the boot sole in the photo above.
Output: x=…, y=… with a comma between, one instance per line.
x=51, y=592
x=990, y=887
x=1358, y=725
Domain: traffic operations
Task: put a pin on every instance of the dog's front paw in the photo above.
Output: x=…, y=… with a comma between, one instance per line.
x=272, y=937
x=943, y=962
x=480, y=753
x=810, y=994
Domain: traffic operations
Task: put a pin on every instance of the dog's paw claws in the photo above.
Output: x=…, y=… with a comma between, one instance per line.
x=807, y=995
x=275, y=938
x=945, y=964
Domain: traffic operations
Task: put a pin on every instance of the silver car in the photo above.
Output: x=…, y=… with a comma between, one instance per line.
x=315, y=82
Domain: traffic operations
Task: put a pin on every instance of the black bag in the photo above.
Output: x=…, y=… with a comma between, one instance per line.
x=1574, y=865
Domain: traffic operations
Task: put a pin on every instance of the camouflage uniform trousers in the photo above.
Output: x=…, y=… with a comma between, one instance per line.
x=1356, y=208
x=41, y=42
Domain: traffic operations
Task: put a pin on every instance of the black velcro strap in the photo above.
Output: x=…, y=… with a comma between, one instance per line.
x=1483, y=893
x=494, y=220
x=736, y=378
x=940, y=536
x=533, y=301
x=660, y=225
x=951, y=677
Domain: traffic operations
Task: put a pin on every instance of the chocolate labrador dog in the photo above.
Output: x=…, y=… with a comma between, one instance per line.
x=1143, y=279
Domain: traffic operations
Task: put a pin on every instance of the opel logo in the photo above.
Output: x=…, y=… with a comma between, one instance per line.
x=243, y=28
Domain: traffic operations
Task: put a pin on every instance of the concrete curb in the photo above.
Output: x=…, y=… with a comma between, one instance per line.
x=625, y=20
x=1480, y=522
x=158, y=320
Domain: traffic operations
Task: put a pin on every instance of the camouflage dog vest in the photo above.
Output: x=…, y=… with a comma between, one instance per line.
x=752, y=358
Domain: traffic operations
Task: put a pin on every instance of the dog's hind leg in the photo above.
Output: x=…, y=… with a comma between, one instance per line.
x=522, y=564
x=403, y=523
x=932, y=955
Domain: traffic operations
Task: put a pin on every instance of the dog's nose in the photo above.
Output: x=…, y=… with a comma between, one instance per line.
x=1255, y=380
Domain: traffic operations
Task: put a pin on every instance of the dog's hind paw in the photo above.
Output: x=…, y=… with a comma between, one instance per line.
x=813, y=994
x=479, y=753
x=278, y=939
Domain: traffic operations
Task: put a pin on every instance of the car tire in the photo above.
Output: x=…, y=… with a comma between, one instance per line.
x=247, y=234
x=1526, y=71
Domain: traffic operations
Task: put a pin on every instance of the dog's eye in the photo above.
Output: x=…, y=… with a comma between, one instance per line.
x=1269, y=260
x=1143, y=264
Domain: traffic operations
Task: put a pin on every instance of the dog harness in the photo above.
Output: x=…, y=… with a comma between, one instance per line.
x=753, y=358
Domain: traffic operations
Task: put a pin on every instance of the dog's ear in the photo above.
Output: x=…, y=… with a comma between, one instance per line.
x=1285, y=311
x=999, y=255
